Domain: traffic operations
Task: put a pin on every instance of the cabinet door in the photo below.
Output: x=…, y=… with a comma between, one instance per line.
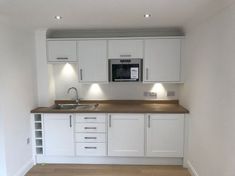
x=165, y=135
x=92, y=57
x=61, y=51
x=59, y=135
x=162, y=60
x=126, y=135
x=125, y=49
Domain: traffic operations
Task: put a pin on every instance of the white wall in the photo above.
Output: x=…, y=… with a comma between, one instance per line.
x=65, y=76
x=45, y=82
x=209, y=94
x=17, y=97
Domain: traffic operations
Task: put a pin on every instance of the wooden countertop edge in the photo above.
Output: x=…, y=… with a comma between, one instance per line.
x=176, y=108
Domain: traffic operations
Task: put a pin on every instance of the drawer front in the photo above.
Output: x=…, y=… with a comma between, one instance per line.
x=91, y=149
x=90, y=137
x=90, y=118
x=90, y=128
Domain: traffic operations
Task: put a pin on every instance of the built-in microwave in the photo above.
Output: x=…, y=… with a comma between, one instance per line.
x=125, y=70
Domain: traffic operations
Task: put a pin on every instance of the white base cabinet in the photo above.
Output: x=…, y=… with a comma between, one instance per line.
x=165, y=135
x=59, y=134
x=126, y=135
x=115, y=138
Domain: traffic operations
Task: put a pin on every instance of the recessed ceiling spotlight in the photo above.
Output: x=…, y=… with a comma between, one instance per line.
x=58, y=17
x=147, y=15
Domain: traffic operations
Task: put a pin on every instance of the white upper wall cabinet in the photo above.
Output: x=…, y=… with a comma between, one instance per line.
x=165, y=135
x=162, y=60
x=125, y=49
x=61, y=51
x=93, y=64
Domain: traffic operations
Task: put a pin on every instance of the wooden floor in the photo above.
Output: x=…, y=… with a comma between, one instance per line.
x=106, y=170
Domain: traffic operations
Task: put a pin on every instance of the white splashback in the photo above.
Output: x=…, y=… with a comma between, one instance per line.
x=65, y=76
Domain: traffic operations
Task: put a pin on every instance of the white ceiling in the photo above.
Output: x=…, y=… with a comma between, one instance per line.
x=100, y=14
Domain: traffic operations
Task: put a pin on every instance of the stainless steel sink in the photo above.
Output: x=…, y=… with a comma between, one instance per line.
x=74, y=106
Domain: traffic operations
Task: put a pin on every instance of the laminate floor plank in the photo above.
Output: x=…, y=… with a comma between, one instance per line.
x=105, y=170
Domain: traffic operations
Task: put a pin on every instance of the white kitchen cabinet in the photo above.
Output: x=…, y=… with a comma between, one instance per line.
x=126, y=135
x=162, y=60
x=125, y=49
x=90, y=134
x=61, y=51
x=165, y=135
x=59, y=135
x=92, y=61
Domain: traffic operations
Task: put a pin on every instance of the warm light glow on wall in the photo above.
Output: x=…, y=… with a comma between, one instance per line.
x=68, y=71
x=95, y=91
x=159, y=89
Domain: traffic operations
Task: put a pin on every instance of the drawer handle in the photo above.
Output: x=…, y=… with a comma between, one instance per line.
x=62, y=58
x=125, y=55
x=90, y=118
x=90, y=137
x=90, y=128
x=90, y=147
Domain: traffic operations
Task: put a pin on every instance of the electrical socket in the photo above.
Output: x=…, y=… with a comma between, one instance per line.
x=170, y=93
x=150, y=94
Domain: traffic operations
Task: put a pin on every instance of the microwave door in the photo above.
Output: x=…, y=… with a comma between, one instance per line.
x=125, y=72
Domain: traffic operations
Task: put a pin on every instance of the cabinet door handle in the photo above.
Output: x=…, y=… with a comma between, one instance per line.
x=90, y=118
x=90, y=128
x=110, y=121
x=81, y=74
x=147, y=73
x=125, y=55
x=90, y=137
x=70, y=121
x=90, y=147
x=149, y=121
x=62, y=58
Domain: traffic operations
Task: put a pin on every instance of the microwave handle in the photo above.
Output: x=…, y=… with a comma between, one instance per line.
x=125, y=55
x=147, y=74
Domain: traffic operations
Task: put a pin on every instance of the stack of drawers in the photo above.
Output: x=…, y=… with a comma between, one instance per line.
x=90, y=134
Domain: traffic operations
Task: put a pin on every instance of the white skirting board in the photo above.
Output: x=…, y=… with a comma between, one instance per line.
x=111, y=160
x=191, y=169
x=24, y=169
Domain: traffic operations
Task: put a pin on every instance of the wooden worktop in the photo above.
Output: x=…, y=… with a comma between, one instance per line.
x=120, y=106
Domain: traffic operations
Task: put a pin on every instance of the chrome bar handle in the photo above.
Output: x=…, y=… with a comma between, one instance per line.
x=125, y=55
x=87, y=118
x=70, y=121
x=90, y=128
x=149, y=121
x=90, y=147
x=110, y=121
x=62, y=58
x=81, y=74
x=90, y=137
x=147, y=73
